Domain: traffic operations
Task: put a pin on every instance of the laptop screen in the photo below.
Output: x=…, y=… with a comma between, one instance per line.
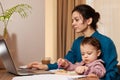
x=6, y=57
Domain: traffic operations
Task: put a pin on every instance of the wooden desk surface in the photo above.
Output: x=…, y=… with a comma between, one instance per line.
x=5, y=75
x=8, y=76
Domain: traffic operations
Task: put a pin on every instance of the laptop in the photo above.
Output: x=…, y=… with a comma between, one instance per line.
x=10, y=65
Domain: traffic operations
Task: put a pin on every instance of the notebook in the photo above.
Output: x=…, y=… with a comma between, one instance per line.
x=10, y=65
x=49, y=77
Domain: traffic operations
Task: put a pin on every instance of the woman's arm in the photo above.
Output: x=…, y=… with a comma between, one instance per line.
x=109, y=56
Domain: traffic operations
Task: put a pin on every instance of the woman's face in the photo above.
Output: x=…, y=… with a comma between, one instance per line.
x=78, y=23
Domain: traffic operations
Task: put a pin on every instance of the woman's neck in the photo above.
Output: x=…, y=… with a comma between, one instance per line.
x=88, y=32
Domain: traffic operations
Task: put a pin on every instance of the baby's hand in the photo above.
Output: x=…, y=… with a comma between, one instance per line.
x=62, y=63
x=81, y=69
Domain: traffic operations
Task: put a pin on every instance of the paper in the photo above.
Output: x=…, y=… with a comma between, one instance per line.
x=48, y=77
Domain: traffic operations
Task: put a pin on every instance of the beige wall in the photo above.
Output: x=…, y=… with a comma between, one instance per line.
x=51, y=29
x=110, y=17
x=27, y=36
x=35, y=36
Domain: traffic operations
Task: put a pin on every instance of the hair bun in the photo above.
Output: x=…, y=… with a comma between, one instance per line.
x=97, y=15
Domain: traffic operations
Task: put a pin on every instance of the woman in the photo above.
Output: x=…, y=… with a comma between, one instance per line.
x=85, y=21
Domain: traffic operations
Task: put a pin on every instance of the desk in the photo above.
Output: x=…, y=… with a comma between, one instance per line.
x=7, y=76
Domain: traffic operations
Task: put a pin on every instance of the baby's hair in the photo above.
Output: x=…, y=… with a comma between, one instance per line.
x=91, y=41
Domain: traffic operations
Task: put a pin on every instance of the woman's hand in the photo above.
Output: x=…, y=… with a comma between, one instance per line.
x=62, y=63
x=81, y=69
x=37, y=65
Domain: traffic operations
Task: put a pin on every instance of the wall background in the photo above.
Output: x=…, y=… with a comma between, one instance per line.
x=51, y=29
x=35, y=36
x=27, y=35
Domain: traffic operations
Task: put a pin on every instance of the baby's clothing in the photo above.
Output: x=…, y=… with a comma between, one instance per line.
x=95, y=67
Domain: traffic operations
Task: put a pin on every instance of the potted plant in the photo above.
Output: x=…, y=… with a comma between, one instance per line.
x=21, y=9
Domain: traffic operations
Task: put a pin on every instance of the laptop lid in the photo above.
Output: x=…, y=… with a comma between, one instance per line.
x=6, y=57
x=9, y=64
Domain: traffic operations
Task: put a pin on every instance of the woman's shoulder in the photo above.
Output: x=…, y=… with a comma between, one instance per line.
x=79, y=38
x=102, y=37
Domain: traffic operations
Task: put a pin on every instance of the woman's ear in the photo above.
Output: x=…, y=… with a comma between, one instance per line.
x=89, y=21
x=99, y=52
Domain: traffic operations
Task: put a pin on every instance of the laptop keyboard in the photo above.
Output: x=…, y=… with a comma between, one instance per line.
x=34, y=71
x=26, y=70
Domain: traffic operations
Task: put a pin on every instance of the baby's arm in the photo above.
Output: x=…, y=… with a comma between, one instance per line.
x=65, y=64
x=98, y=70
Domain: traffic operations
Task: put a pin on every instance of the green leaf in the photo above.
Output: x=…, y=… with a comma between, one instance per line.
x=21, y=9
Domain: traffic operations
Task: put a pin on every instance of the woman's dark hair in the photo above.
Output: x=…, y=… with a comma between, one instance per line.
x=88, y=12
x=92, y=41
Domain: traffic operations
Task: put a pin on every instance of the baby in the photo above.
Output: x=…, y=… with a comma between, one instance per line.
x=90, y=64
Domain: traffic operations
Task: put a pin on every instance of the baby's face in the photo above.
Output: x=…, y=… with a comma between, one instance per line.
x=89, y=53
